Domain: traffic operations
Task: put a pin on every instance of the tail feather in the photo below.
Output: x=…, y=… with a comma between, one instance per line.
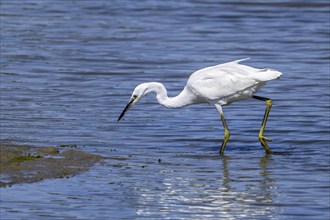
x=262, y=75
x=266, y=75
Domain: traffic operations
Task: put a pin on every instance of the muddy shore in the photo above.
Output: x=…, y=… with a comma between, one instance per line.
x=26, y=164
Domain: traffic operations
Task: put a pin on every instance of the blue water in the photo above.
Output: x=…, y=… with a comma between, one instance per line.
x=68, y=70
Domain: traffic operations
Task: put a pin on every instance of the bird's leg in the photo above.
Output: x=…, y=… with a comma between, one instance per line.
x=261, y=136
x=226, y=130
x=226, y=134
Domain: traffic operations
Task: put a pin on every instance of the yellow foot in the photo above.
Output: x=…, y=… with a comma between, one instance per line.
x=264, y=138
x=264, y=143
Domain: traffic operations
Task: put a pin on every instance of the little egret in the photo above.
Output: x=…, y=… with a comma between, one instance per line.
x=216, y=85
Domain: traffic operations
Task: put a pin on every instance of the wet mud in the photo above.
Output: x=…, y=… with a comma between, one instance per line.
x=26, y=164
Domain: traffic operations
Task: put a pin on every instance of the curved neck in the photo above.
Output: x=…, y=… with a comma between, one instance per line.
x=183, y=99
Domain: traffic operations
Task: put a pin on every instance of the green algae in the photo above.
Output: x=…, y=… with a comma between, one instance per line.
x=19, y=159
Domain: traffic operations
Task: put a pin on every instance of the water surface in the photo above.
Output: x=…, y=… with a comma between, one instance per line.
x=68, y=70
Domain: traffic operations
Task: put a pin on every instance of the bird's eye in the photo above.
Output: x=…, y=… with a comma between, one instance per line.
x=135, y=96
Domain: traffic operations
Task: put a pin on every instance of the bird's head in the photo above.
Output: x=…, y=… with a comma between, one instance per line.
x=139, y=91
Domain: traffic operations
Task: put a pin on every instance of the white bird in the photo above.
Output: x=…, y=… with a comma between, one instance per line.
x=216, y=85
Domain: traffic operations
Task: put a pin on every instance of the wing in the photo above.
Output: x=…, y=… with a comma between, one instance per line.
x=216, y=82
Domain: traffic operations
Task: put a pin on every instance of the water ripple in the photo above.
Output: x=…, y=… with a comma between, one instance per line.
x=67, y=71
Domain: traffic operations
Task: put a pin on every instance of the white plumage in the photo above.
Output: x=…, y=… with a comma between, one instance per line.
x=228, y=82
x=216, y=85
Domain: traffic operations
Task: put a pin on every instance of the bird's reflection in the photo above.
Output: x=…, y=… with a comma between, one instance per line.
x=248, y=189
x=227, y=192
x=226, y=176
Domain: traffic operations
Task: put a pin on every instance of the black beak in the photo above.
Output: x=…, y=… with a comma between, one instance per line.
x=128, y=106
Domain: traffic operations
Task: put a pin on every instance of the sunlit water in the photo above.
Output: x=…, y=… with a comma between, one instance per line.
x=67, y=72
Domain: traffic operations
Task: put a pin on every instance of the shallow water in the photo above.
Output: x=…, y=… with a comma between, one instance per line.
x=67, y=72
